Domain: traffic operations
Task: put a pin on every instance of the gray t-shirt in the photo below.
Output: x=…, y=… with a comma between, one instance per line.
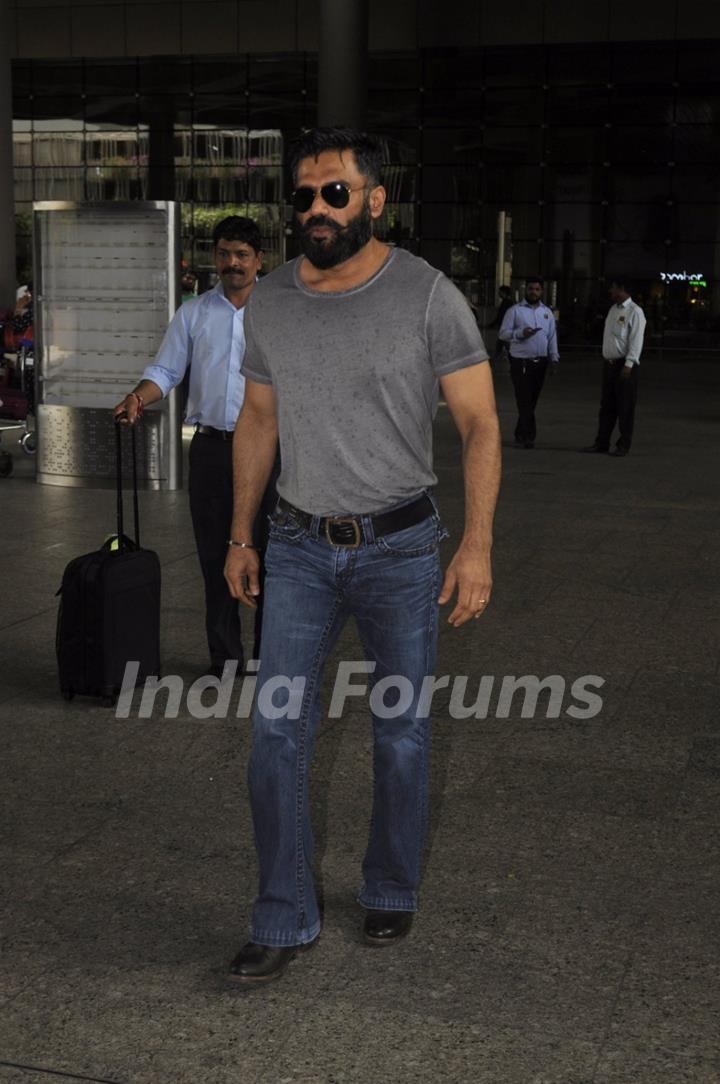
x=355, y=375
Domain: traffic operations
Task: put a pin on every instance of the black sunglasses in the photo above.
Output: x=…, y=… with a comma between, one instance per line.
x=335, y=193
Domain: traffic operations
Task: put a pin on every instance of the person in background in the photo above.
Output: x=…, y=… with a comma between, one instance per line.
x=505, y=303
x=209, y=331
x=622, y=345
x=529, y=330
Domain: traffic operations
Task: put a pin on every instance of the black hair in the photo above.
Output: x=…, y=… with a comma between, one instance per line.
x=622, y=281
x=237, y=228
x=367, y=150
x=504, y=290
x=534, y=278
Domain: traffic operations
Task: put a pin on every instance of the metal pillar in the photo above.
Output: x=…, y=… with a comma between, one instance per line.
x=342, y=63
x=7, y=194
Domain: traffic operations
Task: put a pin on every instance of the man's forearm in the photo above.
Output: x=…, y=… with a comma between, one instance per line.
x=481, y=469
x=149, y=392
x=254, y=450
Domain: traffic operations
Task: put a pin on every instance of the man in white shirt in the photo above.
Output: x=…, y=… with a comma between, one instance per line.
x=622, y=346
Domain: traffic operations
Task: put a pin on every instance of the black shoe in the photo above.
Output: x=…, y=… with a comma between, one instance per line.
x=619, y=453
x=386, y=927
x=262, y=963
x=595, y=448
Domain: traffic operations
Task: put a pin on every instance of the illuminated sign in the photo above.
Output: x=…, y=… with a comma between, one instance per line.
x=683, y=276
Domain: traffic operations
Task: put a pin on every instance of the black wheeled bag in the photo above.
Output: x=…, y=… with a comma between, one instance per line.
x=109, y=609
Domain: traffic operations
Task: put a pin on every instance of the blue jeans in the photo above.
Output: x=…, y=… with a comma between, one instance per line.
x=390, y=586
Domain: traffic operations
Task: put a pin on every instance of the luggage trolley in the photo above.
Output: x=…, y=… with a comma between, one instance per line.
x=16, y=404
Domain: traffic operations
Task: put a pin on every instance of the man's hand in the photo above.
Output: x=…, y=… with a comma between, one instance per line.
x=625, y=372
x=130, y=408
x=242, y=573
x=528, y=332
x=470, y=573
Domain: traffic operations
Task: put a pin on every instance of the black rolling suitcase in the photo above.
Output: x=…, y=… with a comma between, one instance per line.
x=109, y=609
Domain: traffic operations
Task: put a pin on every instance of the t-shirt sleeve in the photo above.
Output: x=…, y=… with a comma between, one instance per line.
x=453, y=338
x=254, y=363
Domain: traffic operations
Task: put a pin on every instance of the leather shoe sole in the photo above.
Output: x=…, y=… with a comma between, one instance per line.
x=256, y=964
x=386, y=927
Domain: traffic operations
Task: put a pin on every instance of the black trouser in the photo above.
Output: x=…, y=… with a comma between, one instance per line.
x=617, y=404
x=528, y=377
x=211, y=509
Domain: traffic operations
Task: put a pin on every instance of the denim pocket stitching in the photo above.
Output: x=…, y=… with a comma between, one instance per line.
x=414, y=551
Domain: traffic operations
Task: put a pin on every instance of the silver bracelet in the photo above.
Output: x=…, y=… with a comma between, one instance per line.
x=242, y=545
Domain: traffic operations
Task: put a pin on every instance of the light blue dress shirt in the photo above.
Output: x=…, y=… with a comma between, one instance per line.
x=540, y=345
x=208, y=334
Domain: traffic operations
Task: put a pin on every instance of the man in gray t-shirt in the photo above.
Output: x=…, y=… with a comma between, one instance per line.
x=347, y=349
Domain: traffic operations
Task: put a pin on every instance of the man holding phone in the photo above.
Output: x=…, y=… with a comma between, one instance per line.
x=529, y=330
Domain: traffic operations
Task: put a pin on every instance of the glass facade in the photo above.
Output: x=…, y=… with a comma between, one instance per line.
x=604, y=158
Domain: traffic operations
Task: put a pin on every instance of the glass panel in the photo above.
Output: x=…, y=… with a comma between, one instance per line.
x=47, y=112
x=59, y=149
x=22, y=108
x=400, y=71
x=230, y=112
x=698, y=105
x=569, y=64
x=635, y=184
x=21, y=77
x=575, y=183
x=647, y=63
x=520, y=66
x=698, y=61
x=697, y=143
x=166, y=110
x=697, y=222
x=448, y=145
x=514, y=106
x=123, y=111
x=650, y=222
x=444, y=183
x=165, y=75
x=398, y=223
x=220, y=75
x=111, y=146
x=59, y=183
x=401, y=183
x=456, y=70
x=580, y=144
x=283, y=76
x=22, y=148
x=636, y=260
x=444, y=107
x=401, y=109
x=642, y=144
x=516, y=145
x=23, y=184
x=584, y=221
x=51, y=77
x=695, y=184
x=505, y=184
x=115, y=182
x=633, y=104
x=578, y=105
x=108, y=78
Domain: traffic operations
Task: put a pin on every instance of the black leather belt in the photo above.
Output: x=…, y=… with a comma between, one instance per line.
x=211, y=431
x=347, y=530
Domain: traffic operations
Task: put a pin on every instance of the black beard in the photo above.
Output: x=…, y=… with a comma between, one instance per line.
x=345, y=241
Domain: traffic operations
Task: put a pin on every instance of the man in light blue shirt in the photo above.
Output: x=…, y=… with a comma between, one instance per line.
x=529, y=330
x=207, y=335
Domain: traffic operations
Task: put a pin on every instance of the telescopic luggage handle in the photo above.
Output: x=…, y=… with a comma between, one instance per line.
x=118, y=482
